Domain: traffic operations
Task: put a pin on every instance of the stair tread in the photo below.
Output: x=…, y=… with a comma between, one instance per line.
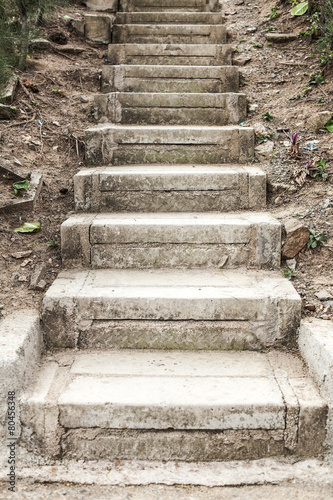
x=181, y=390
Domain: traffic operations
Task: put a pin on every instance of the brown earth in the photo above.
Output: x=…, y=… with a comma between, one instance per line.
x=274, y=75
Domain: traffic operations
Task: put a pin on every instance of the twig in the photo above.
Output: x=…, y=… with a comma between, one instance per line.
x=22, y=122
x=63, y=55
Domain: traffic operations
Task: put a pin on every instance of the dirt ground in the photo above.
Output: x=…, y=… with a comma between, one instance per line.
x=272, y=76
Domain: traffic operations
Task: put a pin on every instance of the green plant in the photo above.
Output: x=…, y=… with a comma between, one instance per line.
x=52, y=244
x=258, y=45
x=320, y=172
x=268, y=116
x=288, y=273
x=275, y=13
x=270, y=28
x=316, y=78
x=300, y=9
x=316, y=239
x=262, y=137
x=21, y=186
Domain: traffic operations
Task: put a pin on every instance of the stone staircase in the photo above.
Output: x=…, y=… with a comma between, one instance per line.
x=168, y=333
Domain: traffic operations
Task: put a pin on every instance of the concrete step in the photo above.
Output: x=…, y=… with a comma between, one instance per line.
x=162, y=240
x=146, y=78
x=133, y=144
x=174, y=188
x=171, y=309
x=169, y=18
x=181, y=406
x=168, y=5
x=170, y=109
x=169, y=33
x=170, y=54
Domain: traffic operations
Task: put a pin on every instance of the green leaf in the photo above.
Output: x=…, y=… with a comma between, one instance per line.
x=21, y=185
x=329, y=125
x=300, y=9
x=28, y=227
x=313, y=244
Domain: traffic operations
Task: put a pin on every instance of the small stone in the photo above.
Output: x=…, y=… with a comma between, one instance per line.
x=21, y=255
x=291, y=264
x=5, y=256
x=325, y=316
x=265, y=149
x=318, y=120
x=41, y=285
x=281, y=37
x=253, y=108
x=22, y=279
x=278, y=200
x=323, y=295
x=39, y=44
x=57, y=124
x=241, y=60
x=310, y=307
x=297, y=236
x=259, y=128
x=37, y=275
x=83, y=98
x=26, y=262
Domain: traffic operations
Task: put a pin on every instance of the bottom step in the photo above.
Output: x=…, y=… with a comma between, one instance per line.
x=190, y=406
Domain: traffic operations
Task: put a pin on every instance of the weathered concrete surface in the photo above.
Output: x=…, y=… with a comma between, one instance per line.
x=264, y=303
x=97, y=28
x=170, y=54
x=102, y=5
x=146, y=78
x=169, y=18
x=171, y=108
x=171, y=240
x=316, y=346
x=175, y=405
x=21, y=345
x=168, y=5
x=164, y=33
x=133, y=144
x=174, y=188
x=30, y=198
x=303, y=490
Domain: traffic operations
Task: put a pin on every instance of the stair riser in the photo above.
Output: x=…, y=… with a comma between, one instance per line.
x=171, y=109
x=109, y=145
x=169, y=18
x=161, y=79
x=168, y=34
x=102, y=244
x=174, y=55
x=168, y=5
x=189, y=446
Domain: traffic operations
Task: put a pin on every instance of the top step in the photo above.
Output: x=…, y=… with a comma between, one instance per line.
x=169, y=18
x=169, y=5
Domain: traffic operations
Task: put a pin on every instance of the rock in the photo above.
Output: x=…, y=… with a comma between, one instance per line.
x=7, y=96
x=13, y=172
x=40, y=44
x=98, y=28
x=323, y=295
x=280, y=187
x=310, y=307
x=291, y=264
x=69, y=49
x=37, y=275
x=26, y=262
x=281, y=37
x=297, y=236
x=259, y=128
x=253, y=108
x=278, y=200
x=83, y=98
x=6, y=112
x=5, y=256
x=241, y=60
x=318, y=120
x=21, y=255
x=41, y=285
x=325, y=316
x=22, y=279
x=265, y=149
